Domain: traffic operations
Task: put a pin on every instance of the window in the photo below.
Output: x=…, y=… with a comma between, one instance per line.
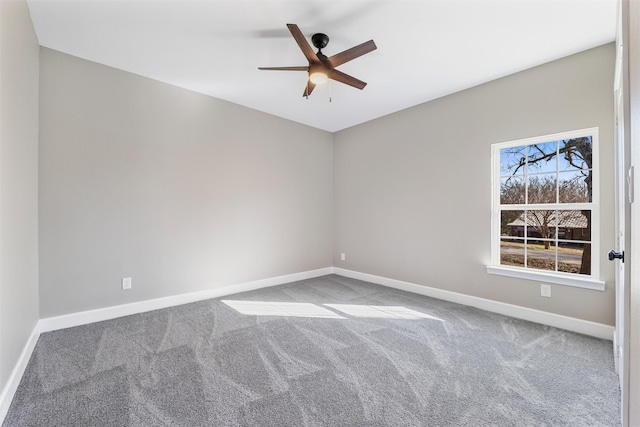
x=546, y=208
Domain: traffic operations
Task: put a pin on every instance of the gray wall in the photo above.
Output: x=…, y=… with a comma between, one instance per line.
x=180, y=191
x=412, y=190
x=18, y=183
x=184, y=192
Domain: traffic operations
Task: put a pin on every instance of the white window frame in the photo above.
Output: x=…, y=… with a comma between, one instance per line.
x=569, y=279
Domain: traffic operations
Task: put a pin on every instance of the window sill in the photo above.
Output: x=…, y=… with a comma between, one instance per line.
x=548, y=277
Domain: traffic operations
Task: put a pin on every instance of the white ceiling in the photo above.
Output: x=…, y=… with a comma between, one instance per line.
x=426, y=48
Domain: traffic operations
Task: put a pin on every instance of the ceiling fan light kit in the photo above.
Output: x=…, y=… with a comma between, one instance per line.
x=318, y=77
x=321, y=68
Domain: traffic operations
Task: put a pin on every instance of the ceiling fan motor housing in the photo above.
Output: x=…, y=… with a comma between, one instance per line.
x=320, y=40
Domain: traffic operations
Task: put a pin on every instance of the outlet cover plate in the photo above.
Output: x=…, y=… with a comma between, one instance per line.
x=545, y=290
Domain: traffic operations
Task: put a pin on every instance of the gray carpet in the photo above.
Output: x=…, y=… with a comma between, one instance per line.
x=330, y=351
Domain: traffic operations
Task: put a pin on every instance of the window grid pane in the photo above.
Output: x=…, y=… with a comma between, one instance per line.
x=541, y=255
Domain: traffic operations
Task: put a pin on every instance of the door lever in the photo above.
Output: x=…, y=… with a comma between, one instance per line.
x=616, y=255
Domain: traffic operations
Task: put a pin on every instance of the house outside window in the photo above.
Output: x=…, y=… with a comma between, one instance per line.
x=545, y=209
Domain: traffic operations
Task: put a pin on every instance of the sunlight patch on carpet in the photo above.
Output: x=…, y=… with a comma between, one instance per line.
x=304, y=309
x=381, y=312
x=285, y=309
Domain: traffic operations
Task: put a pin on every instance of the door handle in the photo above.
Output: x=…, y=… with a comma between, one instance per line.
x=616, y=255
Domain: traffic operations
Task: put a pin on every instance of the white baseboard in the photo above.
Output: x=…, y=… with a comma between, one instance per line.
x=90, y=316
x=9, y=390
x=585, y=327
x=564, y=322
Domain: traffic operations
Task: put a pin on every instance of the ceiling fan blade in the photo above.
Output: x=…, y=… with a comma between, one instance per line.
x=303, y=43
x=346, y=79
x=310, y=86
x=300, y=68
x=353, y=53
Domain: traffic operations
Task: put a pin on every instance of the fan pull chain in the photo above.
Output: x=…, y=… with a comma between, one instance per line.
x=329, y=90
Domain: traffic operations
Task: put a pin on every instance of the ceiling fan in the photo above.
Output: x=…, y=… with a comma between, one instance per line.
x=321, y=67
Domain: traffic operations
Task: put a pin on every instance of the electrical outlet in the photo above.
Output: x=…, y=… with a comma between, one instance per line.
x=545, y=290
x=126, y=283
x=343, y=257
